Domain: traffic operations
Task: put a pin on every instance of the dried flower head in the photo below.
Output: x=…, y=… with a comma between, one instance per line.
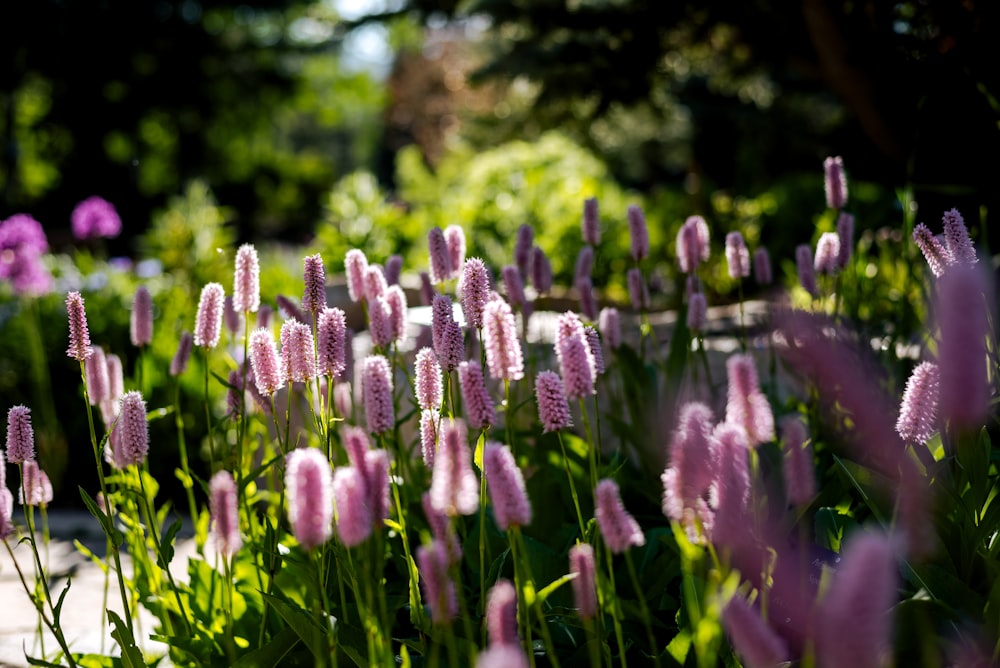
x=208, y=323
x=309, y=487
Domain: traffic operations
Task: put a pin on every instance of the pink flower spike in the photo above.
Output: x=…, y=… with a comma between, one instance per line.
x=762, y=267
x=541, y=271
x=440, y=259
x=298, y=352
x=827, y=253
x=522, y=250
x=377, y=394
x=757, y=644
x=132, y=444
x=737, y=256
x=835, y=182
x=747, y=407
x=508, y=497
x=478, y=404
x=502, y=656
x=609, y=323
x=116, y=379
x=503, y=349
x=224, y=513
x=964, y=322
x=584, y=264
x=454, y=487
x=331, y=329
x=691, y=452
x=430, y=424
x=918, y=411
x=265, y=362
x=513, y=285
x=956, y=237
x=588, y=302
x=20, y=435
x=6, y=513
x=594, y=343
x=697, y=313
x=396, y=299
x=393, y=269
x=938, y=258
x=797, y=465
x=357, y=445
x=439, y=589
x=446, y=333
x=638, y=233
x=807, y=273
x=354, y=515
x=96, y=370
x=845, y=234
x=380, y=322
x=429, y=387
x=618, y=528
x=581, y=564
x=264, y=316
x=375, y=284
x=454, y=237
x=501, y=614
x=576, y=363
x=638, y=293
x=309, y=486
x=314, y=280
x=475, y=291
x=180, y=361
x=355, y=266
x=427, y=292
x=246, y=280
x=733, y=484
x=591, y=224
x=442, y=529
x=688, y=247
x=230, y=318
x=79, y=336
x=208, y=323
x=141, y=321
x=36, y=489
x=553, y=407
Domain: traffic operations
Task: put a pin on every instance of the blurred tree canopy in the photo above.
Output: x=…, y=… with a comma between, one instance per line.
x=132, y=100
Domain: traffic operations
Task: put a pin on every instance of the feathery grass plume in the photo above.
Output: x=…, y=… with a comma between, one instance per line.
x=430, y=421
x=298, y=352
x=956, y=238
x=79, y=336
x=446, y=334
x=502, y=656
x=314, y=284
x=427, y=291
x=964, y=323
x=591, y=223
x=331, y=330
x=845, y=234
x=553, y=406
x=246, y=280
x=797, y=465
x=479, y=407
x=375, y=284
x=475, y=291
x=309, y=486
x=757, y=644
x=132, y=431
x=730, y=526
x=440, y=259
x=638, y=233
x=377, y=466
x=96, y=370
x=503, y=349
x=454, y=487
x=762, y=267
x=697, y=313
x=20, y=435
x=858, y=605
x=747, y=407
x=638, y=293
x=230, y=317
x=827, y=253
x=584, y=264
x=439, y=589
x=522, y=250
x=918, y=411
x=576, y=363
x=380, y=322
x=224, y=513
x=737, y=256
x=501, y=614
x=508, y=497
x=396, y=298
x=454, y=237
x=264, y=316
x=937, y=256
x=618, y=528
x=441, y=529
x=266, y=363
x=6, y=513
x=36, y=489
x=609, y=323
x=541, y=271
x=807, y=273
x=513, y=285
x=234, y=394
x=377, y=393
x=180, y=361
x=581, y=564
x=355, y=267
x=594, y=343
x=393, y=269
x=835, y=182
x=141, y=320
x=428, y=386
x=350, y=498
x=208, y=322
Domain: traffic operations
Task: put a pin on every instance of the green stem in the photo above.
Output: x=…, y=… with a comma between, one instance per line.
x=185, y=467
x=591, y=448
x=543, y=624
x=572, y=485
x=615, y=608
x=208, y=419
x=643, y=607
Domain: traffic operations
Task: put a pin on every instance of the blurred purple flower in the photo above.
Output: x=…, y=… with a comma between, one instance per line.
x=618, y=528
x=95, y=218
x=835, y=182
x=591, y=223
x=224, y=513
x=246, y=280
x=314, y=282
x=309, y=486
x=478, y=404
x=508, y=497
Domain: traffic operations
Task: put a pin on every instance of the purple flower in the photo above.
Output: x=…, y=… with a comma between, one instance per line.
x=439, y=589
x=375, y=284
x=180, y=361
x=638, y=233
x=522, y=249
x=355, y=266
x=141, y=322
x=692, y=244
x=454, y=487
x=437, y=245
x=581, y=564
x=246, y=280
x=502, y=656
x=733, y=485
x=501, y=614
x=265, y=362
x=964, y=323
x=762, y=267
x=332, y=328
x=697, y=313
x=506, y=485
x=691, y=452
x=609, y=323
x=314, y=281
x=357, y=445
x=618, y=528
x=454, y=237
x=6, y=513
x=503, y=349
x=938, y=258
x=446, y=333
x=835, y=182
x=95, y=218
x=513, y=285
x=27, y=273
x=478, y=403
x=584, y=264
x=234, y=394
x=797, y=466
x=588, y=303
x=638, y=293
x=475, y=291
x=377, y=393
x=380, y=322
x=377, y=466
x=79, y=336
x=393, y=269
x=594, y=343
x=36, y=489
x=232, y=319
x=298, y=352
x=264, y=316
x=427, y=291
x=747, y=407
x=918, y=411
x=541, y=271
x=430, y=422
x=309, y=488
x=737, y=256
x=845, y=233
x=208, y=323
x=827, y=253
x=441, y=529
x=591, y=223
x=22, y=234
x=758, y=645
x=396, y=299
x=957, y=240
x=576, y=362
x=224, y=513
x=429, y=390
x=132, y=442
x=354, y=515
x=807, y=273
x=96, y=372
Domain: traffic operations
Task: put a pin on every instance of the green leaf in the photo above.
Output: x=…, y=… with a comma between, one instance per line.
x=311, y=633
x=39, y=662
x=552, y=586
x=167, y=544
x=106, y=524
x=131, y=656
x=271, y=654
x=480, y=447
x=58, y=607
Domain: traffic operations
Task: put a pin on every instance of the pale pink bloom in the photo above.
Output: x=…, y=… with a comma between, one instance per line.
x=377, y=393
x=224, y=513
x=827, y=253
x=501, y=614
x=355, y=267
x=733, y=485
x=937, y=256
x=591, y=223
x=298, y=352
x=737, y=256
x=609, y=323
x=375, y=284
x=20, y=435
x=503, y=349
x=440, y=259
x=314, y=282
x=692, y=244
x=265, y=362
x=454, y=487
x=762, y=266
x=692, y=452
x=522, y=249
x=581, y=564
x=747, y=407
x=132, y=442
x=797, y=465
x=541, y=271
x=584, y=264
x=508, y=497
x=208, y=323
x=807, y=273
x=430, y=423
x=835, y=182
x=638, y=233
x=638, y=293
x=918, y=410
x=332, y=328
x=246, y=280
x=454, y=236
x=553, y=406
x=393, y=269
x=439, y=589
x=475, y=291
x=964, y=322
x=442, y=529
x=478, y=404
x=354, y=515
x=96, y=371
x=356, y=444
x=79, y=336
x=116, y=378
x=513, y=285
x=6, y=513
x=956, y=237
x=446, y=333
x=343, y=398
x=36, y=489
x=380, y=322
x=576, y=362
x=377, y=479
x=758, y=645
x=180, y=361
x=309, y=487
x=141, y=320
x=502, y=656
x=618, y=528
x=845, y=232
x=697, y=313
x=428, y=384
x=396, y=298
